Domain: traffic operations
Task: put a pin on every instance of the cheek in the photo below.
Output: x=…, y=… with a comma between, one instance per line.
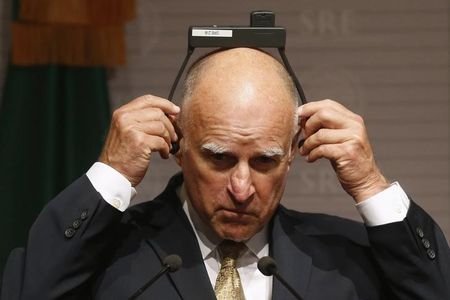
x=205, y=188
x=201, y=176
x=269, y=189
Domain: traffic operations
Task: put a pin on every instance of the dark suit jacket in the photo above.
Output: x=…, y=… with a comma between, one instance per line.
x=81, y=248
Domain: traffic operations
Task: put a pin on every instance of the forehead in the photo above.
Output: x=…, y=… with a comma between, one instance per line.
x=234, y=128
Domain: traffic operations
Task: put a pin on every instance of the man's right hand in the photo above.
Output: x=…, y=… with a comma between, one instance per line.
x=138, y=129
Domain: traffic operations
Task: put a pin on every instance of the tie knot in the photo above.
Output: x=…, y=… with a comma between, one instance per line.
x=231, y=249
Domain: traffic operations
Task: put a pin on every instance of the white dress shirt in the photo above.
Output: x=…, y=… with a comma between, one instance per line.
x=388, y=206
x=254, y=284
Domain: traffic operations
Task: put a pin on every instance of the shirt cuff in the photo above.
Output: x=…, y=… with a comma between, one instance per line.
x=112, y=186
x=388, y=206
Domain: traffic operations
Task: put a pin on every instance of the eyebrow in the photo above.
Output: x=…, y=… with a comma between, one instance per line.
x=273, y=151
x=219, y=149
x=214, y=148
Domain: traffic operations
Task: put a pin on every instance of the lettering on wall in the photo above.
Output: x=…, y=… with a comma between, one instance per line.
x=326, y=22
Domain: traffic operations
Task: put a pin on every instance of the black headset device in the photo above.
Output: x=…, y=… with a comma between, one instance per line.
x=262, y=33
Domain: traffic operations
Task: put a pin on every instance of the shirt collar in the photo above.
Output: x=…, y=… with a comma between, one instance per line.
x=208, y=240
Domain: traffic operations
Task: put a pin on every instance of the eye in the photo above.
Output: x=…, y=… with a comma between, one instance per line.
x=220, y=161
x=265, y=163
x=265, y=159
x=218, y=156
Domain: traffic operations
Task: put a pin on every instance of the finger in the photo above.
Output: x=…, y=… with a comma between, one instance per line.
x=324, y=118
x=323, y=151
x=156, y=128
x=174, y=120
x=165, y=105
x=151, y=114
x=307, y=110
x=158, y=144
x=302, y=122
x=332, y=152
x=152, y=101
x=331, y=119
x=139, y=110
x=310, y=108
x=325, y=136
x=348, y=152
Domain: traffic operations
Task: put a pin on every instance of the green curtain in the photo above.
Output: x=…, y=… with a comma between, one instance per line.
x=53, y=120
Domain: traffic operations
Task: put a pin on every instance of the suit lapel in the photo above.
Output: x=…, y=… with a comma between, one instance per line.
x=170, y=232
x=175, y=236
x=293, y=264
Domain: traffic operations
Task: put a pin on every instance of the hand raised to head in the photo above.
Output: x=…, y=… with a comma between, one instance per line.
x=333, y=132
x=138, y=129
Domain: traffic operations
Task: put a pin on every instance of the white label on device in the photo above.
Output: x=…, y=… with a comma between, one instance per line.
x=212, y=32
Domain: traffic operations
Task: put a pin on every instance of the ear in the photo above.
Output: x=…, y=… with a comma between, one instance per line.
x=179, y=154
x=178, y=146
x=178, y=157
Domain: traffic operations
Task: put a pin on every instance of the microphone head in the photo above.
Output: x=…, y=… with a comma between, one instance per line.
x=173, y=262
x=267, y=266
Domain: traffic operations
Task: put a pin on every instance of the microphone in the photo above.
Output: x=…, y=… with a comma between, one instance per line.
x=268, y=267
x=171, y=263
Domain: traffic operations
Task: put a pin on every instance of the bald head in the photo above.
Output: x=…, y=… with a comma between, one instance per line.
x=239, y=78
x=245, y=59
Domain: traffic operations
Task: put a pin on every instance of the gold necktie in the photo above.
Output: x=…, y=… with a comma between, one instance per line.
x=228, y=284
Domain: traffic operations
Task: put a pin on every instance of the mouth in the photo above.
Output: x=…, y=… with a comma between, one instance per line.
x=235, y=216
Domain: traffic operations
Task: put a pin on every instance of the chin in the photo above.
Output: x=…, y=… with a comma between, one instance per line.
x=237, y=233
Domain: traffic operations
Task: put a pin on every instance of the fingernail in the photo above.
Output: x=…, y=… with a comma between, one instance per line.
x=176, y=108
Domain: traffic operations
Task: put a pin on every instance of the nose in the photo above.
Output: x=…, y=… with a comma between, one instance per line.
x=240, y=184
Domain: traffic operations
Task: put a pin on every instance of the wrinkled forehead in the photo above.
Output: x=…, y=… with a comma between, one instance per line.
x=243, y=110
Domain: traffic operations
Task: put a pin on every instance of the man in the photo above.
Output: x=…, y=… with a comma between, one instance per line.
x=240, y=129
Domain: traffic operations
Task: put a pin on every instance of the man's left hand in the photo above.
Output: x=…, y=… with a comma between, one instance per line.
x=333, y=132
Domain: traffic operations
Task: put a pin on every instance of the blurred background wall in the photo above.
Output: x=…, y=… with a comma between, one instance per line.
x=386, y=60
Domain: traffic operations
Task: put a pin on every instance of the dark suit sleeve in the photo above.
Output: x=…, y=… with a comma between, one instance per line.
x=414, y=256
x=67, y=244
x=13, y=272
